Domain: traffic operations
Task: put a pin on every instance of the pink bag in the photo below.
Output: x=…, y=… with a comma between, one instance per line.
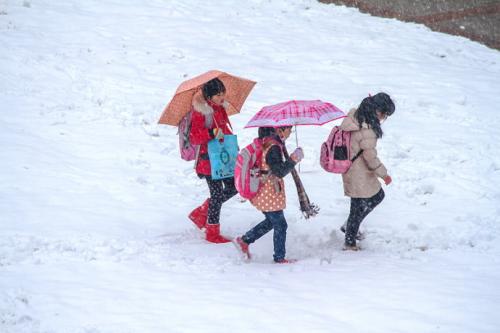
x=247, y=170
x=336, y=156
x=188, y=151
x=247, y=175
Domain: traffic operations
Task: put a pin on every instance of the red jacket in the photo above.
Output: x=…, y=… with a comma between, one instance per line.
x=200, y=134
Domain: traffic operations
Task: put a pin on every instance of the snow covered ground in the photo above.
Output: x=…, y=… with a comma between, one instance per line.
x=94, y=236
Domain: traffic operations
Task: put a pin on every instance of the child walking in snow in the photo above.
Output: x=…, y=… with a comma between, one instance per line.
x=361, y=182
x=210, y=121
x=271, y=199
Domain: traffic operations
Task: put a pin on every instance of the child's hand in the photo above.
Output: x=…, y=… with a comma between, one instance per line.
x=387, y=180
x=218, y=133
x=297, y=155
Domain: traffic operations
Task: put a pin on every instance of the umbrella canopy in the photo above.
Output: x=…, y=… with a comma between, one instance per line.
x=237, y=90
x=294, y=113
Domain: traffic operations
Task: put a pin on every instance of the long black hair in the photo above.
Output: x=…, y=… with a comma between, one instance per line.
x=367, y=111
x=212, y=88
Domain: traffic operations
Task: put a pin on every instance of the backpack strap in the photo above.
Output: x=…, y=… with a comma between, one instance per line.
x=357, y=155
x=267, y=142
x=228, y=121
x=197, y=154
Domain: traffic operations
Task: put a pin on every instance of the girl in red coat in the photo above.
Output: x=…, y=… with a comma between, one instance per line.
x=209, y=121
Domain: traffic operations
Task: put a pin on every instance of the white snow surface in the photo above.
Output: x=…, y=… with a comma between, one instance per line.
x=94, y=197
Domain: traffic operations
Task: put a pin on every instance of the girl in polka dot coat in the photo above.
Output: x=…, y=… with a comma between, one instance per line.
x=271, y=198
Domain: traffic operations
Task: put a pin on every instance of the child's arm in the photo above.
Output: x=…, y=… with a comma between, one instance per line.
x=275, y=161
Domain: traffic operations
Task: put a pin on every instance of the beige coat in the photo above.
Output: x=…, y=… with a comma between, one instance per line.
x=361, y=180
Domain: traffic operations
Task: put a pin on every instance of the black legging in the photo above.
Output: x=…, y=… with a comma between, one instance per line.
x=220, y=191
x=360, y=208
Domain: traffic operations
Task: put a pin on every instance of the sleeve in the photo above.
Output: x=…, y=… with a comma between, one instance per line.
x=368, y=144
x=275, y=161
x=199, y=134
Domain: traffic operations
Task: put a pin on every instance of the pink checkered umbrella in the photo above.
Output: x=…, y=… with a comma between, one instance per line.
x=294, y=113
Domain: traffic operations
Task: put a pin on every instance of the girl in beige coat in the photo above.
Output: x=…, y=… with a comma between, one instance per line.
x=361, y=181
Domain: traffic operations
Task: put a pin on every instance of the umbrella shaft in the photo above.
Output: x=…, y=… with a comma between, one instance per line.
x=298, y=183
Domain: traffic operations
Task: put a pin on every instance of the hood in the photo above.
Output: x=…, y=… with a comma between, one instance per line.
x=201, y=105
x=350, y=123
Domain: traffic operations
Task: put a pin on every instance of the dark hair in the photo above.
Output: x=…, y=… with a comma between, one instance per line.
x=212, y=88
x=266, y=131
x=367, y=111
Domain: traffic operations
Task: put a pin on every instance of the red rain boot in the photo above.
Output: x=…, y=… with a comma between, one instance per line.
x=286, y=261
x=243, y=248
x=213, y=234
x=200, y=214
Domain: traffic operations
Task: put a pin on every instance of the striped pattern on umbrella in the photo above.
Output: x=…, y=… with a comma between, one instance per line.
x=294, y=113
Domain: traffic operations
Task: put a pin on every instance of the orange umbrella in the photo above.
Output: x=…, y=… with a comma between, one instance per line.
x=237, y=90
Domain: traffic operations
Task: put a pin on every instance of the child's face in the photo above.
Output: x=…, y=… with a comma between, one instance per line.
x=219, y=98
x=285, y=133
x=381, y=116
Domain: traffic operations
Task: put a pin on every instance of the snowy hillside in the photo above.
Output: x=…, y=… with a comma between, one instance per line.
x=94, y=198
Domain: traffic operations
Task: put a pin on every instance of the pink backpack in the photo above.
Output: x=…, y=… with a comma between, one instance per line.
x=336, y=153
x=247, y=177
x=188, y=151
